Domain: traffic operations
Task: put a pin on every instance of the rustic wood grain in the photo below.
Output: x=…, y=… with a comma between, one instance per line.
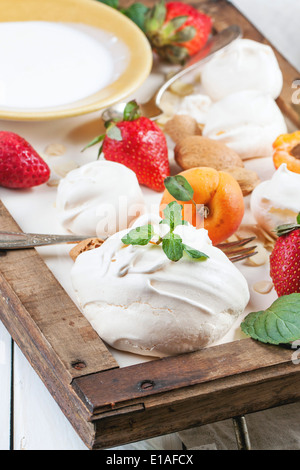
x=59, y=321
x=171, y=373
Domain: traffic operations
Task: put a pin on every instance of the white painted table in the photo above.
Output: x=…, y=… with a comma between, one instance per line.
x=29, y=417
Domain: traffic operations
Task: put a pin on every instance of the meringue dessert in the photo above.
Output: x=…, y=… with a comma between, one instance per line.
x=137, y=300
x=247, y=121
x=196, y=106
x=245, y=65
x=276, y=201
x=99, y=199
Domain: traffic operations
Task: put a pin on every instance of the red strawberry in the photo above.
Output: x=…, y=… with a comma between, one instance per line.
x=176, y=30
x=138, y=143
x=20, y=165
x=285, y=259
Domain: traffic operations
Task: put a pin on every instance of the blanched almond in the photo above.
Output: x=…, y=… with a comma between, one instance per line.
x=182, y=88
x=263, y=287
x=260, y=258
x=63, y=168
x=55, y=150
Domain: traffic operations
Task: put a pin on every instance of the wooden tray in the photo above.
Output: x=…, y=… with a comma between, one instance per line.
x=108, y=405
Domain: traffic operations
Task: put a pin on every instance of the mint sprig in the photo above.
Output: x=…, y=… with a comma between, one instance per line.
x=179, y=187
x=279, y=324
x=172, y=243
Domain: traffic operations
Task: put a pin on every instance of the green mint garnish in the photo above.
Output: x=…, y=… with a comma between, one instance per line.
x=279, y=324
x=173, y=246
x=139, y=236
x=172, y=243
x=195, y=253
x=179, y=188
x=173, y=215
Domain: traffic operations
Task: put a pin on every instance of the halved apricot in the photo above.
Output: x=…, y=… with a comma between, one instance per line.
x=287, y=150
x=219, y=202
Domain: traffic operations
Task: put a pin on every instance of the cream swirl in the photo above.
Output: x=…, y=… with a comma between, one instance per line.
x=99, y=198
x=247, y=122
x=245, y=65
x=277, y=201
x=139, y=301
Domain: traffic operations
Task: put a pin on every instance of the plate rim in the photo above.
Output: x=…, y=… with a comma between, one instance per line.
x=141, y=57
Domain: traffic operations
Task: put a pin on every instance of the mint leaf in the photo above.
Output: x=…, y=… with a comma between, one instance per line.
x=179, y=188
x=139, y=236
x=172, y=246
x=173, y=215
x=279, y=324
x=195, y=253
x=298, y=219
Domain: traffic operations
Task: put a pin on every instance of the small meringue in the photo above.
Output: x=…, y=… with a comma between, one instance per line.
x=99, y=199
x=276, y=201
x=247, y=122
x=245, y=65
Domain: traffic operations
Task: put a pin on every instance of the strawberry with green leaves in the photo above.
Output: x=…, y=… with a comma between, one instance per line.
x=176, y=30
x=138, y=143
x=285, y=259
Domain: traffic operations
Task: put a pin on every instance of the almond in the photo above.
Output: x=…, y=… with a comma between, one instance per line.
x=263, y=287
x=194, y=151
x=181, y=126
x=247, y=179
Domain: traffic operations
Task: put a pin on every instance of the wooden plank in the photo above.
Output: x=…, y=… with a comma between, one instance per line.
x=168, y=374
x=57, y=319
x=199, y=405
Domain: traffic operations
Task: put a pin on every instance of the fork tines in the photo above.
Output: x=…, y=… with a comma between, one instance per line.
x=235, y=250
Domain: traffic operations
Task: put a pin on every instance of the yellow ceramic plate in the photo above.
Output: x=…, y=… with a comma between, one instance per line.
x=86, y=14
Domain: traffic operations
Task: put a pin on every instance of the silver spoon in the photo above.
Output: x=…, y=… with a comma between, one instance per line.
x=151, y=108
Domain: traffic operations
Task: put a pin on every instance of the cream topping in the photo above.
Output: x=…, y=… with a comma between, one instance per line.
x=140, y=301
x=246, y=121
x=99, y=199
x=277, y=201
x=245, y=65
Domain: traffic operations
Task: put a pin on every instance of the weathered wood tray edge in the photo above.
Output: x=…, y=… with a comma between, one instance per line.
x=109, y=406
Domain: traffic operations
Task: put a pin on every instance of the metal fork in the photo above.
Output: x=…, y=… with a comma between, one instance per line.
x=14, y=241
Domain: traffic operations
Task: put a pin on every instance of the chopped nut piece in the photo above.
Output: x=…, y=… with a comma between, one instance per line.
x=85, y=245
x=63, y=168
x=263, y=287
x=55, y=150
x=260, y=258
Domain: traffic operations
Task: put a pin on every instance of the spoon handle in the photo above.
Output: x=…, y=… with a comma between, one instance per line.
x=213, y=45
